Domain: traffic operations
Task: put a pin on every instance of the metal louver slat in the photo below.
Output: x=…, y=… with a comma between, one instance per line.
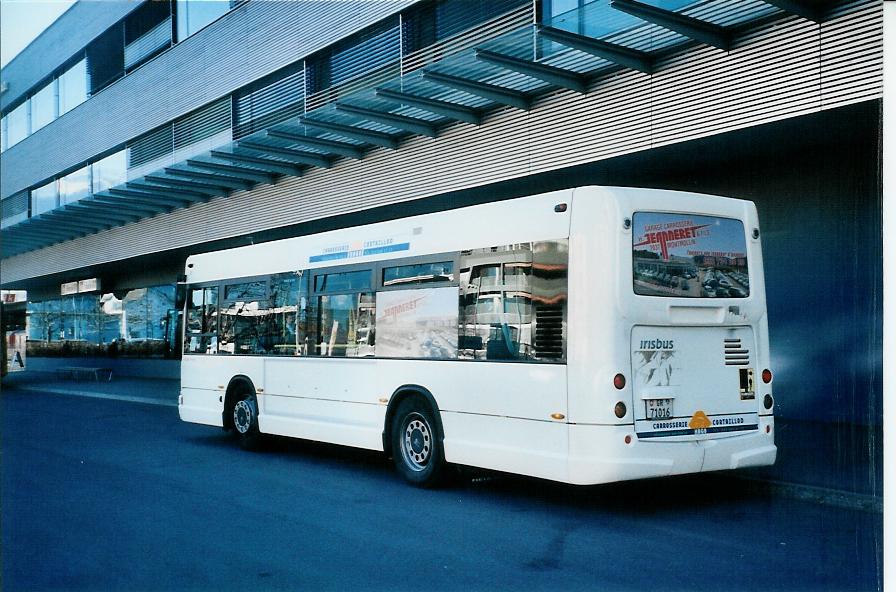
x=201, y=124
x=151, y=146
x=271, y=104
x=378, y=49
x=150, y=42
x=14, y=209
x=454, y=17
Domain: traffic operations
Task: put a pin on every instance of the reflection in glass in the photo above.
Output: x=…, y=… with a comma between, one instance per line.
x=192, y=15
x=73, y=87
x=423, y=273
x=74, y=186
x=289, y=314
x=513, y=302
x=17, y=128
x=350, y=280
x=43, y=106
x=140, y=324
x=44, y=198
x=245, y=328
x=689, y=256
x=146, y=312
x=246, y=291
x=346, y=324
x=202, y=321
x=109, y=172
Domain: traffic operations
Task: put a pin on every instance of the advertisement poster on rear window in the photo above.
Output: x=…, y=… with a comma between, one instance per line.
x=690, y=256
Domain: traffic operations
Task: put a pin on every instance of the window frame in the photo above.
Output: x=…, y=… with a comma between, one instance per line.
x=201, y=286
x=453, y=257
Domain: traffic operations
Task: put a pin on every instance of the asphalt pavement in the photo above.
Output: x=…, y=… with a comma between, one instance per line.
x=105, y=494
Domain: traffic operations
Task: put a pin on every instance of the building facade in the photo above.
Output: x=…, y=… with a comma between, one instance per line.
x=137, y=133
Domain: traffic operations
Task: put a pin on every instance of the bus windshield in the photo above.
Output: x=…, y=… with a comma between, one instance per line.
x=690, y=256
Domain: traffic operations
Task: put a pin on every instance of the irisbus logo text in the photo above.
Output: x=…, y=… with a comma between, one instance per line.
x=657, y=344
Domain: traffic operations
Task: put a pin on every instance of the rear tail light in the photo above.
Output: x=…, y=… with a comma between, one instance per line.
x=768, y=402
x=620, y=410
x=619, y=381
x=766, y=376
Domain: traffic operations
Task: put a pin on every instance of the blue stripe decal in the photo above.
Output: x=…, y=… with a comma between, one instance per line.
x=347, y=254
x=387, y=249
x=328, y=257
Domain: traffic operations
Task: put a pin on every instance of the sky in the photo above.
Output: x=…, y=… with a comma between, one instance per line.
x=23, y=20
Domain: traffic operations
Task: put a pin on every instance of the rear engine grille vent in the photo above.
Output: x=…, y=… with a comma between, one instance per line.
x=549, y=331
x=735, y=354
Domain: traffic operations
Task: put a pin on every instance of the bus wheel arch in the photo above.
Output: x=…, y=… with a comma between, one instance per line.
x=241, y=392
x=414, y=436
x=401, y=393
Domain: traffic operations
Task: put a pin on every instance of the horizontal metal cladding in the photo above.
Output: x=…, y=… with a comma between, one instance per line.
x=767, y=76
x=14, y=209
x=779, y=71
x=70, y=34
x=852, y=56
x=247, y=43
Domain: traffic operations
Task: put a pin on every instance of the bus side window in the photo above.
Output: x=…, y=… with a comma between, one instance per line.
x=512, y=302
x=347, y=324
x=345, y=313
x=245, y=326
x=289, y=314
x=202, y=321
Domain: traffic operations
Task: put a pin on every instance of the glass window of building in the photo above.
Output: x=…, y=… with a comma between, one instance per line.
x=73, y=87
x=43, y=107
x=143, y=323
x=146, y=321
x=44, y=198
x=109, y=172
x=192, y=15
x=74, y=186
x=17, y=125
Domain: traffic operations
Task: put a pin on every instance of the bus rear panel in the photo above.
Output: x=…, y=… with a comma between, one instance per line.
x=677, y=302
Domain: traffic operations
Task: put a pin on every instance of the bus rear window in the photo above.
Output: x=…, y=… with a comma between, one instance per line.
x=689, y=256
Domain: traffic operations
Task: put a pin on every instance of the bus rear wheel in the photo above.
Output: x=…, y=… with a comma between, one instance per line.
x=417, y=444
x=245, y=421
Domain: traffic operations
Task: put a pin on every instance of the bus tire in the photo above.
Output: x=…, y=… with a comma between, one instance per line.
x=245, y=420
x=417, y=443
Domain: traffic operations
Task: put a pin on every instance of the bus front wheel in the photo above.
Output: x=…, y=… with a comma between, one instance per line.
x=245, y=421
x=417, y=444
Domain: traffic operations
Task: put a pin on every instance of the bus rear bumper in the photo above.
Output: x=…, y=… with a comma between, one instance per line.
x=600, y=454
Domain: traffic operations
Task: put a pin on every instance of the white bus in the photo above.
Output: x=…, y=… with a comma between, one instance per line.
x=585, y=336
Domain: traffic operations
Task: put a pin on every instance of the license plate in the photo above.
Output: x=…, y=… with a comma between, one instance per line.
x=659, y=408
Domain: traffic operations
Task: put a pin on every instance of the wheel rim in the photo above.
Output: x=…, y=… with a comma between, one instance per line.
x=416, y=443
x=243, y=415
